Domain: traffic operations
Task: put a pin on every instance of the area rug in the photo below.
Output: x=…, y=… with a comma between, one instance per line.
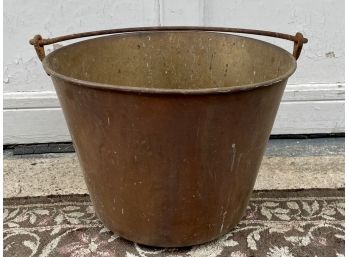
x=276, y=224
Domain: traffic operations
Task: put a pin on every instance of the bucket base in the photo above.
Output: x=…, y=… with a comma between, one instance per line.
x=160, y=242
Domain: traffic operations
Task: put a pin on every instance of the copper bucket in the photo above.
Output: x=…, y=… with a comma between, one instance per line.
x=170, y=124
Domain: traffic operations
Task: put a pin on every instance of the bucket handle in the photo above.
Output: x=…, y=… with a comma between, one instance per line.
x=38, y=42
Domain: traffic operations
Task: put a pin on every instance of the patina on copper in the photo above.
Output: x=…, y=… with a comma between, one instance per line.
x=170, y=125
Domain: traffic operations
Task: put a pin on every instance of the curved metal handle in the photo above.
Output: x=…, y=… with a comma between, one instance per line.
x=38, y=42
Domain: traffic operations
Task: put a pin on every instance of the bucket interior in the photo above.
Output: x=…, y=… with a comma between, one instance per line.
x=172, y=60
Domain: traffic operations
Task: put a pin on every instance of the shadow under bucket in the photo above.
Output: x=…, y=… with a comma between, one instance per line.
x=170, y=124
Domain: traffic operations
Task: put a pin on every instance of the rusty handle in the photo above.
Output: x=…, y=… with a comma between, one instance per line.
x=38, y=42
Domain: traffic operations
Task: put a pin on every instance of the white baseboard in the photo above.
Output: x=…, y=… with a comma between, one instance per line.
x=36, y=117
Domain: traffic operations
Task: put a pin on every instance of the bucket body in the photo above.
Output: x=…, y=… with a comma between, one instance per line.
x=170, y=127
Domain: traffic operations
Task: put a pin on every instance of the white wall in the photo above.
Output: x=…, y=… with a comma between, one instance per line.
x=23, y=19
x=32, y=113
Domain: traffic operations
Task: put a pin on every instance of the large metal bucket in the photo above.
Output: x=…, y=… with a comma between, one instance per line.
x=170, y=124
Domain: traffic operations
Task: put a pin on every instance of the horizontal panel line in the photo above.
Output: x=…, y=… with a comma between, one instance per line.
x=286, y=101
x=33, y=108
x=293, y=93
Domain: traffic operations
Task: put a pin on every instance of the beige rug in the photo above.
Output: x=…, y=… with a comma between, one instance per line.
x=276, y=224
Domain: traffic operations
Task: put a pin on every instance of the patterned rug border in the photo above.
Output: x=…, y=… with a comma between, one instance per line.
x=286, y=223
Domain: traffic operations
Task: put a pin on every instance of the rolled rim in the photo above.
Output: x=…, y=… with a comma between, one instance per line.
x=134, y=89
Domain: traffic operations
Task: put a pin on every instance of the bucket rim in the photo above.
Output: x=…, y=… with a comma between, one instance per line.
x=154, y=90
